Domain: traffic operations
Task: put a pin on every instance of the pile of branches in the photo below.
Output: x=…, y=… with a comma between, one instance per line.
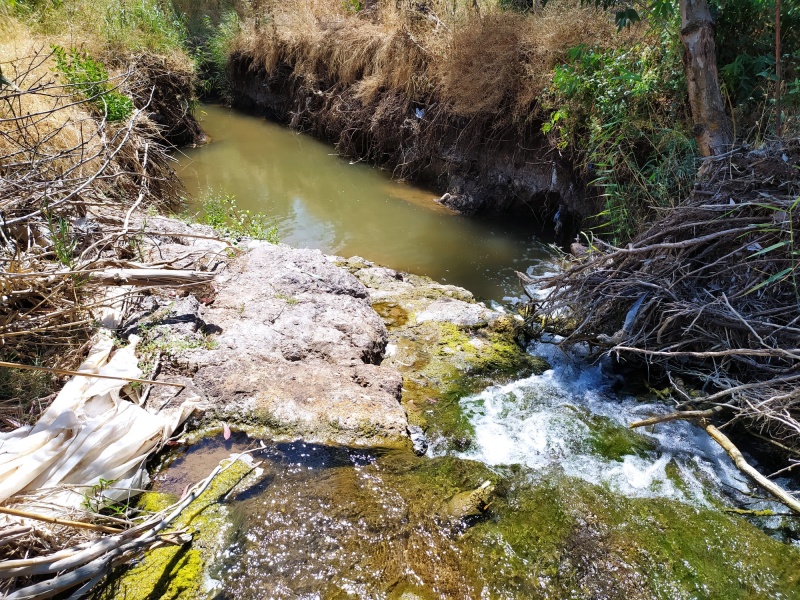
x=710, y=292
x=70, y=182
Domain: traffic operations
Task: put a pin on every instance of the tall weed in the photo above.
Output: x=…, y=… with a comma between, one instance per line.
x=106, y=25
x=621, y=113
x=213, y=52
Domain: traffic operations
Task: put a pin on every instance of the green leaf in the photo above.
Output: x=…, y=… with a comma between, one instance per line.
x=769, y=249
x=773, y=279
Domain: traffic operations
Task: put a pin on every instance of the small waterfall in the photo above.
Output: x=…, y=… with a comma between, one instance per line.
x=569, y=419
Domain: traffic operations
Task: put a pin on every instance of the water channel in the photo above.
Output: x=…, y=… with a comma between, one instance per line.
x=319, y=200
x=584, y=507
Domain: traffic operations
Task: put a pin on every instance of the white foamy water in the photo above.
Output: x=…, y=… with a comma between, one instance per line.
x=558, y=419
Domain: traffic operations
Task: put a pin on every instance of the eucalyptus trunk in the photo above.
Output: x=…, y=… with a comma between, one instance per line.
x=712, y=127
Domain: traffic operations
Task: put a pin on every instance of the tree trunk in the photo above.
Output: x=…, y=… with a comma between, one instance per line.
x=712, y=127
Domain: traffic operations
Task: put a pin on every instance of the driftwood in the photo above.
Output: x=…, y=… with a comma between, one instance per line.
x=60, y=160
x=746, y=468
x=26, y=514
x=711, y=292
x=700, y=417
x=150, y=277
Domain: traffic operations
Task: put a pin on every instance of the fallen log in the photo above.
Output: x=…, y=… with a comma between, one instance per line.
x=746, y=468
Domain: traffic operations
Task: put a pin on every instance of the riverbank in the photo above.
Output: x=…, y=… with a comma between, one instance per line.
x=366, y=366
x=80, y=139
x=452, y=99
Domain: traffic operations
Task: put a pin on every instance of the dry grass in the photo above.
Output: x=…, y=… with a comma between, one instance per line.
x=20, y=54
x=486, y=62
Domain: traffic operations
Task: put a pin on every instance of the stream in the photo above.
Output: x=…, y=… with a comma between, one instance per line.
x=319, y=200
x=584, y=507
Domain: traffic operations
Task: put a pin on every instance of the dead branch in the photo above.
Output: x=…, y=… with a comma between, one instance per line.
x=57, y=521
x=150, y=277
x=12, y=365
x=736, y=456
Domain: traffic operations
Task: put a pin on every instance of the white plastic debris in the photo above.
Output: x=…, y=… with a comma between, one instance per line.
x=88, y=434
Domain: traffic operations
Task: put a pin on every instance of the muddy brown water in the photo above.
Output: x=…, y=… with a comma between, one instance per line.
x=320, y=200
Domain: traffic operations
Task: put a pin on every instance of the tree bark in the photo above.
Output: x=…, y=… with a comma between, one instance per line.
x=712, y=127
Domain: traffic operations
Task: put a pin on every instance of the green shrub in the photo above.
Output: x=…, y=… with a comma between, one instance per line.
x=90, y=79
x=223, y=214
x=622, y=113
x=745, y=40
x=352, y=6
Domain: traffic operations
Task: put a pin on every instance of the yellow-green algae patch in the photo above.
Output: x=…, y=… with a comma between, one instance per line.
x=560, y=537
x=445, y=344
x=180, y=572
x=442, y=362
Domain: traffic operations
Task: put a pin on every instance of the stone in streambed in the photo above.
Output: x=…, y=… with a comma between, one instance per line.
x=297, y=354
x=468, y=504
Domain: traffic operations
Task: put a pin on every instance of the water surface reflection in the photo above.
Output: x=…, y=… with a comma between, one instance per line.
x=320, y=200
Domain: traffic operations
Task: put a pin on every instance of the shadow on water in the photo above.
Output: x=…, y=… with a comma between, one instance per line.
x=320, y=200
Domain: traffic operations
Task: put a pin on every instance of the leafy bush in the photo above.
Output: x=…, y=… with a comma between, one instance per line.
x=622, y=114
x=223, y=214
x=352, y=6
x=90, y=80
x=745, y=39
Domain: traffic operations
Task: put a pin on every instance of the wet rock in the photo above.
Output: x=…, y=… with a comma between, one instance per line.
x=180, y=571
x=444, y=343
x=469, y=504
x=457, y=312
x=418, y=440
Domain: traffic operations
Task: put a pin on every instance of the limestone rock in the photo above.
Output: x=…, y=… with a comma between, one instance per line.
x=295, y=353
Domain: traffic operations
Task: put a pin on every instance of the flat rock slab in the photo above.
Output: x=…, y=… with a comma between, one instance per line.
x=296, y=347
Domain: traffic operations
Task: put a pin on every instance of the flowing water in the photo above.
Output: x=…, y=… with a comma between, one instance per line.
x=584, y=507
x=319, y=200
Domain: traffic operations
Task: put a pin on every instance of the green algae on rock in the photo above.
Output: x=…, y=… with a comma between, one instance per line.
x=545, y=535
x=444, y=343
x=181, y=572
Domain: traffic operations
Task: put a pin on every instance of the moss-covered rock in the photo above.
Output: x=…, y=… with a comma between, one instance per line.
x=542, y=535
x=181, y=572
x=445, y=344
